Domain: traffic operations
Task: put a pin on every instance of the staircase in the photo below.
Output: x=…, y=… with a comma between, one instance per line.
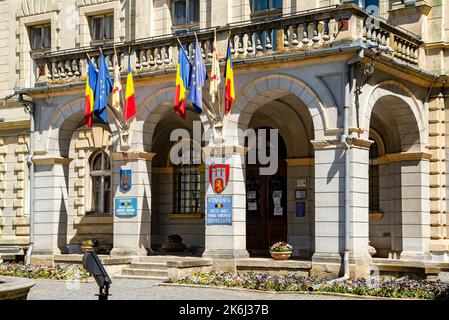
x=152, y=267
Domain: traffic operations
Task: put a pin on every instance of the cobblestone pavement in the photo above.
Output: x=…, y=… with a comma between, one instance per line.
x=122, y=289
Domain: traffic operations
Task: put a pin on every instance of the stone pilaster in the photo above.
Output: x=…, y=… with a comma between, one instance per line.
x=50, y=205
x=21, y=151
x=132, y=235
x=437, y=177
x=3, y=152
x=415, y=209
x=330, y=207
x=224, y=243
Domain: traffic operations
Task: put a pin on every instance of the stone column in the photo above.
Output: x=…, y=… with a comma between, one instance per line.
x=415, y=209
x=225, y=243
x=330, y=207
x=132, y=235
x=50, y=206
x=359, y=202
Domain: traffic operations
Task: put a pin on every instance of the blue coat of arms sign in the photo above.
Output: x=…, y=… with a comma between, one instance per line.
x=125, y=180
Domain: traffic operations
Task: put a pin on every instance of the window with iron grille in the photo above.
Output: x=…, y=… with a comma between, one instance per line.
x=100, y=173
x=188, y=189
x=187, y=182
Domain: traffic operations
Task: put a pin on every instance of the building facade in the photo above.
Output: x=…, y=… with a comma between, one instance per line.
x=356, y=90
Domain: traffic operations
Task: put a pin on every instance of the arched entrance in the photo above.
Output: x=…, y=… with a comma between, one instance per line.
x=266, y=211
x=398, y=180
x=177, y=207
x=280, y=205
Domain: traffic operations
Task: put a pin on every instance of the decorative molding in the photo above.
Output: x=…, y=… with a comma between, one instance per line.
x=296, y=162
x=35, y=7
x=403, y=156
x=360, y=143
x=325, y=143
x=133, y=155
x=162, y=170
x=225, y=150
x=19, y=124
x=183, y=216
x=52, y=160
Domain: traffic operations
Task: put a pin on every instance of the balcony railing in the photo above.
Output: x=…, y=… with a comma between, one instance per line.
x=305, y=31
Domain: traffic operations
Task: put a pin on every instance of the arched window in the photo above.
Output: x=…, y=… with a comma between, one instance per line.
x=100, y=173
x=187, y=180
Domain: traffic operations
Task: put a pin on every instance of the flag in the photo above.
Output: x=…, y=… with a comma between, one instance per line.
x=215, y=78
x=183, y=70
x=229, y=80
x=91, y=83
x=130, y=99
x=102, y=91
x=197, y=80
x=117, y=90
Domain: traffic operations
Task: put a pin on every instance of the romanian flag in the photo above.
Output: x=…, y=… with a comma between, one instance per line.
x=130, y=100
x=91, y=83
x=182, y=82
x=229, y=80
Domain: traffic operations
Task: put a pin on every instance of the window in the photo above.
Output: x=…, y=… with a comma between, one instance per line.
x=100, y=172
x=187, y=184
x=102, y=27
x=266, y=5
x=186, y=11
x=40, y=37
x=374, y=191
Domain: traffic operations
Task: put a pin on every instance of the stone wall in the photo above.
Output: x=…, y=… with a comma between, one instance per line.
x=14, y=215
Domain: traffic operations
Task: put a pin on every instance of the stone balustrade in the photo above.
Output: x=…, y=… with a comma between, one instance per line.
x=308, y=31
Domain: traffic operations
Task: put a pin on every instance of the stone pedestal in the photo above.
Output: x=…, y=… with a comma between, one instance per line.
x=132, y=235
x=228, y=242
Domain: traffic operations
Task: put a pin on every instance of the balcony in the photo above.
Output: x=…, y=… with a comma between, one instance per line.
x=311, y=32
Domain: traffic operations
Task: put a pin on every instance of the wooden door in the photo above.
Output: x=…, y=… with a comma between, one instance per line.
x=266, y=206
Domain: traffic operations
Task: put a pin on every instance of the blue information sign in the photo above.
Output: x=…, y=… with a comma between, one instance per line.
x=219, y=210
x=126, y=207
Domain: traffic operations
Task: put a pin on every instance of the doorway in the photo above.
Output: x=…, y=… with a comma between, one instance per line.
x=266, y=207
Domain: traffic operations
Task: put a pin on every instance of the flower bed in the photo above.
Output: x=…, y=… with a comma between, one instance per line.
x=69, y=272
x=387, y=287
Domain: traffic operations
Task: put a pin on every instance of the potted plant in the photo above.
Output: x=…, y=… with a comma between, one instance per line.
x=281, y=250
x=88, y=245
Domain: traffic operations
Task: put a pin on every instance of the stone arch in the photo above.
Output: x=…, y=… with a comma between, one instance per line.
x=398, y=93
x=158, y=105
x=62, y=125
x=269, y=88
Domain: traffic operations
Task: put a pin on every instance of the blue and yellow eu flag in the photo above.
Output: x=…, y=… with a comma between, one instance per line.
x=197, y=80
x=103, y=89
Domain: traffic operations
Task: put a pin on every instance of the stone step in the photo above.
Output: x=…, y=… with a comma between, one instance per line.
x=122, y=276
x=145, y=273
x=161, y=259
x=149, y=265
